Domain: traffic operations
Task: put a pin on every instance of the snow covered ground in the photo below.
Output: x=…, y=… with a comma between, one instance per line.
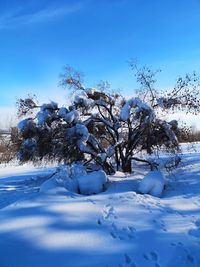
x=42, y=224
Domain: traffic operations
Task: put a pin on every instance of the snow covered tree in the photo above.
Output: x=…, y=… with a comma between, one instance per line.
x=104, y=130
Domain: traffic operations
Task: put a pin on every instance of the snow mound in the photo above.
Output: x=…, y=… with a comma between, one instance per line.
x=92, y=183
x=48, y=185
x=75, y=179
x=65, y=178
x=153, y=183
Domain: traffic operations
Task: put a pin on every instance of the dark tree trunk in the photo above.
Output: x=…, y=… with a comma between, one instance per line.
x=128, y=166
x=108, y=168
x=117, y=160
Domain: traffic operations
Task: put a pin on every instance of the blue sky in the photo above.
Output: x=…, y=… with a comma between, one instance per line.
x=37, y=38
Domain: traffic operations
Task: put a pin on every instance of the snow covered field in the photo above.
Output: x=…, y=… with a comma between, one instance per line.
x=118, y=228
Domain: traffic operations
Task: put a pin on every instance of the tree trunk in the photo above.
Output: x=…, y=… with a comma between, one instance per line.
x=117, y=160
x=126, y=166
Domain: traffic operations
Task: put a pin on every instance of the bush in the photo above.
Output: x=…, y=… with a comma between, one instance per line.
x=104, y=130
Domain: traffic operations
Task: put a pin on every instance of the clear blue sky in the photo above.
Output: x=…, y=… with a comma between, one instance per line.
x=37, y=38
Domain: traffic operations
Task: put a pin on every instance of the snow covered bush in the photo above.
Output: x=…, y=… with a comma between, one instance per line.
x=92, y=183
x=75, y=179
x=153, y=183
x=66, y=178
x=102, y=129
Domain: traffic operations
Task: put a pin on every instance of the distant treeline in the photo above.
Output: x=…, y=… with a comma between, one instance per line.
x=8, y=145
x=188, y=134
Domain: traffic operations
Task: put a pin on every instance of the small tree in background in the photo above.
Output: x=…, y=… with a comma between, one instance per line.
x=102, y=129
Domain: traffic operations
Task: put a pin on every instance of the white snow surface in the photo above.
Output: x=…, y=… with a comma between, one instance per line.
x=153, y=183
x=117, y=228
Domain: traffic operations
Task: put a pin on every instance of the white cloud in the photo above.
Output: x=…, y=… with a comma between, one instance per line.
x=20, y=16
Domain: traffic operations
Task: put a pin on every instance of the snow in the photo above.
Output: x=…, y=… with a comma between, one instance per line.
x=42, y=224
x=153, y=183
x=83, y=99
x=82, y=132
x=92, y=183
x=28, y=146
x=26, y=124
x=79, y=131
x=133, y=103
x=46, y=112
x=90, y=90
x=171, y=135
x=29, y=143
x=68, y=116
x=43, y=116
x=50, y=106
x=66, y=177
x=75, y=179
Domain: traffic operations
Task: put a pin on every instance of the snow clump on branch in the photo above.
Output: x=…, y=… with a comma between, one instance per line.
x=132, y=103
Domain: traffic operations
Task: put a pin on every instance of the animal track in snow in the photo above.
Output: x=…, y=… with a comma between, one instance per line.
x=190, y=258
x=195, y=232
x=121, y=233
x=152, y=256
x=124, y=233
x=109, y=211
x=128, y=260
x=160, y=223
x=90, y=200
x=99, y=222
x=186, y=257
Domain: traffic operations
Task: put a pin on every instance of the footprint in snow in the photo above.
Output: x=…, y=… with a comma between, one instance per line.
x=90, y=200
x=186, y=258
x=109, y=211
x=99, y=222
x=190, y=259
x=195, y=232
x=160, y=223
x=152, y=256
x=128, y=261
x=125, y=233
x=197, y=223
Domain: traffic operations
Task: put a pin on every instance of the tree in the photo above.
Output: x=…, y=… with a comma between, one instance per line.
x=102, y=129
